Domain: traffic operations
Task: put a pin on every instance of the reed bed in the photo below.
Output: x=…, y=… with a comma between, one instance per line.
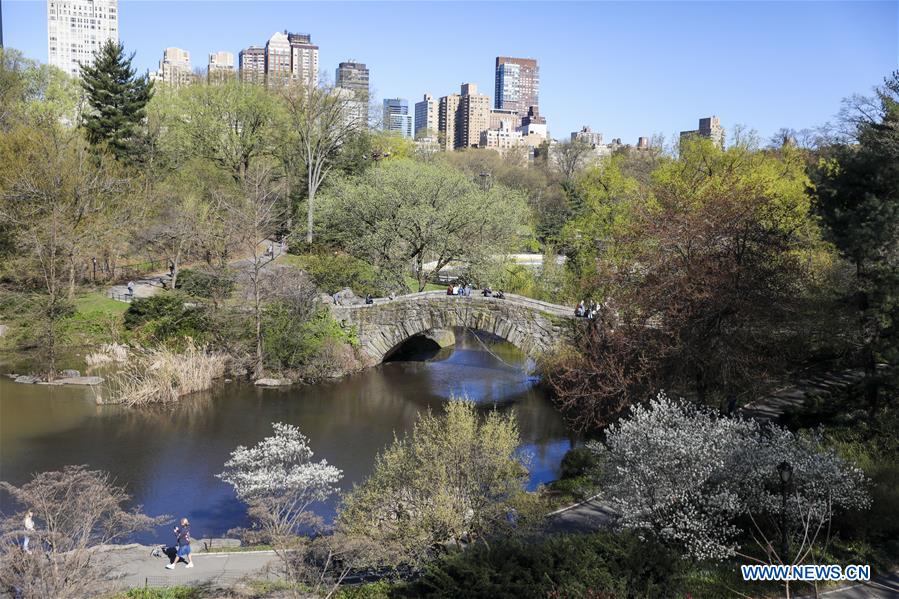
x=109, y=353
x=162, y=376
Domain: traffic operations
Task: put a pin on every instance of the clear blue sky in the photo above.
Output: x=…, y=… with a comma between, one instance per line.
x=626, y=69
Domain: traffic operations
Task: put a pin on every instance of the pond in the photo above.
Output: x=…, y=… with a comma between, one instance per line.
x=167, y=459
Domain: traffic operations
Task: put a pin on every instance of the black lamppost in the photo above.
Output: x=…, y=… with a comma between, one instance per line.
x=785, y=472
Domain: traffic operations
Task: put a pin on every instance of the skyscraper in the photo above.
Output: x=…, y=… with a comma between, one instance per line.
x=352, y=77
x=252, y=64
x=397, y=117
x=427, y=116
x=517, y=84
x=463, y=118
x=78, y=28
x=303, y=58
x=277, y=59
x=448, y=118
x=174, y=68
x=221, y=66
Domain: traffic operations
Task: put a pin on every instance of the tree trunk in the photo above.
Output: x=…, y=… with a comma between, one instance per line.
x=71, y=277
x=310, y=202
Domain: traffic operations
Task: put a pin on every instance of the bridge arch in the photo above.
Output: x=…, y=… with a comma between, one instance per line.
x=533, y=326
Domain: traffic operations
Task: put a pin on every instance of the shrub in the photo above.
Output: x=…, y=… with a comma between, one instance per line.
x=455, y=477
x=289, y=342
x=578, y=461
x=166, y=316
x=604, y=564
x=204, y=284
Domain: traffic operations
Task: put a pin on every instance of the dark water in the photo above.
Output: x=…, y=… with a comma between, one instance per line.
x=167, y=459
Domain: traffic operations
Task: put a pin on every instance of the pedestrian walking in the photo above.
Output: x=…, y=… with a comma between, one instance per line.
x=28, y=523
x=182, y=534
x=130, y=289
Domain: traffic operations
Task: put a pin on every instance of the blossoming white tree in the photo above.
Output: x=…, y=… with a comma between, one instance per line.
x=279, y=481
x=689, y=476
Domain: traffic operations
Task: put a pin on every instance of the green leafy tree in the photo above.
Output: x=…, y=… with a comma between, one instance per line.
x=426, y=215
x=455, y=478
x=856, y=193
x=117, y=100
x=231, y=125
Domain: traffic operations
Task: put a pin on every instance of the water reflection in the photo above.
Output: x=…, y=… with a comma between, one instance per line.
x=168, y=458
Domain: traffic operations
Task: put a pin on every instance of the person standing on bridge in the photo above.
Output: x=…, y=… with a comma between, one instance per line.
x=183, y=535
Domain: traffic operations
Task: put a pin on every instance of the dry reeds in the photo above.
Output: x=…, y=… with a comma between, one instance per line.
x=107, y=354
x=162, y=376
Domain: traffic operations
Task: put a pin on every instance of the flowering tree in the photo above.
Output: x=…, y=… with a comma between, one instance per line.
x=279, y=481
x=686, y=475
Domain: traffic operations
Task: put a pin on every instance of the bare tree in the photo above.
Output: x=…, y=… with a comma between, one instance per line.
x=321, y=119
x=253, y=215
x=59, y=202
x=76, y=510
x=570, y=157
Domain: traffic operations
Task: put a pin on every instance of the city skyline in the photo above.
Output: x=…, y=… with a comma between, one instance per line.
x=646, y=70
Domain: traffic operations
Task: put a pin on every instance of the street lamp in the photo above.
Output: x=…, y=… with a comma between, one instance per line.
x=785, y=472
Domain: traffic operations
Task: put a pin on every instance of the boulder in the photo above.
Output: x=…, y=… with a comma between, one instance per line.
x=67, y=374
x=273, y=382
x=28, y=379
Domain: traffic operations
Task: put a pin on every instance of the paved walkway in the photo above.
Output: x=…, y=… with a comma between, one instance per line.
x=789, y=399
x=151, y=284
x=134, y=566
x=885, y=586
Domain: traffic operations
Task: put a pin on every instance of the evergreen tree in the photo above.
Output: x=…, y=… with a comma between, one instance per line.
x=857, y=193
x=117, y=99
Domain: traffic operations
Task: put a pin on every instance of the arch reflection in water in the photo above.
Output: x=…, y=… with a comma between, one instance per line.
x=168, y=459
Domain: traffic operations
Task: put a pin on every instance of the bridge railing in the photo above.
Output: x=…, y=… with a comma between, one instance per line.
x=476, y=296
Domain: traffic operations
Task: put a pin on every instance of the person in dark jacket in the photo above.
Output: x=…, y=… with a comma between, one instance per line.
x=183, y=542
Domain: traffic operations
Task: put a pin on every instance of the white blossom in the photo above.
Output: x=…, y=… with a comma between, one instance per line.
x=687, y=474
x=280, y=466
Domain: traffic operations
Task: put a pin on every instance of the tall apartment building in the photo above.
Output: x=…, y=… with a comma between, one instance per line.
x=174, y=68
x=78, y=28
x=252, y=64
x=709, y=128
x=220, y=67
x=397, y=117
x=463, y=117
x=447, y=121
x=427, y=117
x=587, y=136
x=303, y=58
x=352, y=77
x=517, y=84
x=277, y=59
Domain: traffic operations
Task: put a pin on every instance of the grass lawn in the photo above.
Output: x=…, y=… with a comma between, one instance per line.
x=98, y=302
x=412, y=284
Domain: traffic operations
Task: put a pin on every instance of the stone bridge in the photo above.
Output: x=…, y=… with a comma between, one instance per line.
x=533, y=326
